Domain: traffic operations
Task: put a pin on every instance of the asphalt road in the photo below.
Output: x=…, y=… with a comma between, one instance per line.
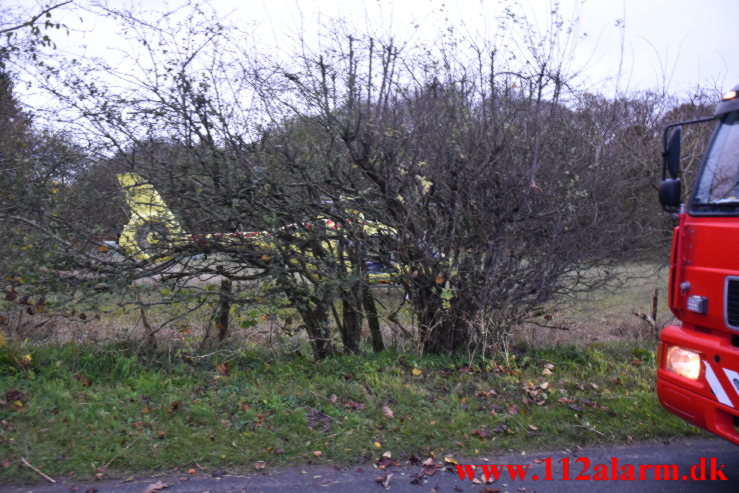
x=720, y=459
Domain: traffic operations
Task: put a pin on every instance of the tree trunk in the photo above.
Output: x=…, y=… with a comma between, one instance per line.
x=224, y=309
x=351, y=333
x=316, y=321
x=370, y=310
x=443, y=330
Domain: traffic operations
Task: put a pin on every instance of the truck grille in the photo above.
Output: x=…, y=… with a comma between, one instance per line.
x=732, y=302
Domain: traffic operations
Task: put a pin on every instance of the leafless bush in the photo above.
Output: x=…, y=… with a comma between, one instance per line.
x=490, y=186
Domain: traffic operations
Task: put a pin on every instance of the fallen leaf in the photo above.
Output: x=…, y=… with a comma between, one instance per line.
x=334, y=399
x=156, y=487
x=546, y=371
x=417, y=478
x=354, y=405
x=513, y=410
x=318, y=420
x=244, y=406
x=85, y=381
x=482, y=434
x=501, y=428
x=385, y=480
x=386, y=460
x=533, y=428
x=594, y=385
x=317, y=453
x=260, y=465
x=417, y=372
x=377, y=445
x=192, y=471
x=489, y=393
x=223, y=368
x=388, y=412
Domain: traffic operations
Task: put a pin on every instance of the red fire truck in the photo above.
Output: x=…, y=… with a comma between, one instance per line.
x=698, y=360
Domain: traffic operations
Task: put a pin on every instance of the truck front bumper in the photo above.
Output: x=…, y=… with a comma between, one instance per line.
x=712, y=401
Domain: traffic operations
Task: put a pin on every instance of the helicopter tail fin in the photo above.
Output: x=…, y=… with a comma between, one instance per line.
x=153, y=228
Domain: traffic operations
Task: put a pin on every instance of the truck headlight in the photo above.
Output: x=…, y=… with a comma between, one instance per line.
x=683, y=362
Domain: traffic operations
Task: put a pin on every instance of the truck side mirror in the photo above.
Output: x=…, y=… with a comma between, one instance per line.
x=669, y=192
x=672, y=153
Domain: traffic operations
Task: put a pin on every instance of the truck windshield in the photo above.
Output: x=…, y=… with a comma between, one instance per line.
x=718, y=186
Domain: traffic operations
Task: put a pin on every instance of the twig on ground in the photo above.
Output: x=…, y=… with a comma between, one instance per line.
x=29, y=465
x=124, y=449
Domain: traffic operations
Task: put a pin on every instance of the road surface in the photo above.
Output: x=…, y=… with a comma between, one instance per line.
x=609, y=470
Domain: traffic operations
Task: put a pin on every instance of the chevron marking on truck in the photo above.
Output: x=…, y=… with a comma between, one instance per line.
x=716, y=386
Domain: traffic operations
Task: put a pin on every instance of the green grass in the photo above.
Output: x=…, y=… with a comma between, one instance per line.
x=634, y=294
x=73, y=409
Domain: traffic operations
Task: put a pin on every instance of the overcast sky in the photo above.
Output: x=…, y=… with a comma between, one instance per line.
x=655, y=43
x=680, y=43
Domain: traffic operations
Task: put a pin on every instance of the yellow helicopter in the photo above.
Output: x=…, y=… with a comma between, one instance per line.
x=153, y=231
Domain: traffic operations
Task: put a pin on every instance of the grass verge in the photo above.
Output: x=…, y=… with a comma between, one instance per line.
x=85, y=410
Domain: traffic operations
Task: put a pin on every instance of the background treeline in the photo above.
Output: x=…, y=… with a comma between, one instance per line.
x=491, y=185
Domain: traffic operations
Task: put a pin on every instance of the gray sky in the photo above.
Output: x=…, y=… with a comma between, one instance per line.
x=677, y=43
x=652, y=44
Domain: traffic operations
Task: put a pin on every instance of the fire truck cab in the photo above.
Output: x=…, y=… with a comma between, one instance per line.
x=698, y=359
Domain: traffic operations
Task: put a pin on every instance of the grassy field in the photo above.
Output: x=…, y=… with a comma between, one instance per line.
x=88, y=410
x=607, y=315
x=103, y=406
